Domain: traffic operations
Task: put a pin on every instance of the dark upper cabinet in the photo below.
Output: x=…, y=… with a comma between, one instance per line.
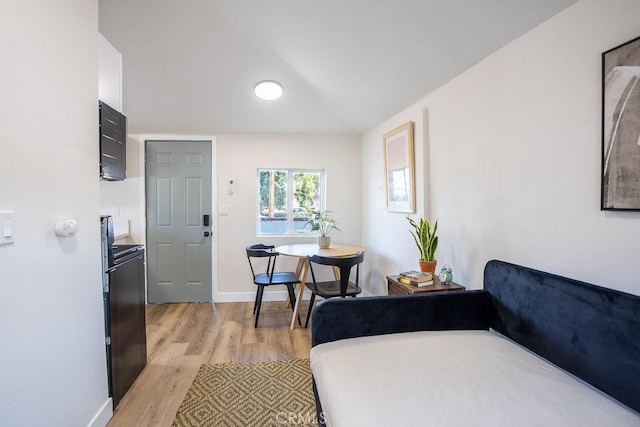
x=113, y=144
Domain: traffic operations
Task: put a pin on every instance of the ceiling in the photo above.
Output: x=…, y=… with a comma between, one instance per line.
x=189, y=66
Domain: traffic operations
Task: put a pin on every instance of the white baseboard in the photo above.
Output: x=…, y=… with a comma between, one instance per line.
x=103, y=415
x=251, y=296
x=267, y=296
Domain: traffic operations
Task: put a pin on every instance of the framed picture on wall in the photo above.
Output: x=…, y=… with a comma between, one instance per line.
x=620, y=189
x=399, y=169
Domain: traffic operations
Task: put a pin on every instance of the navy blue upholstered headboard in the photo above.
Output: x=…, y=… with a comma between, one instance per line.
x=590, y=331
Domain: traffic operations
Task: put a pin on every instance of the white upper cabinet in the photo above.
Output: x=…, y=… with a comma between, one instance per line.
x=110, y=74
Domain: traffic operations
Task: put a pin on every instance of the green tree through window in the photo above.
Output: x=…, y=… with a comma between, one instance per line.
x=307, y=190
x=287, y=198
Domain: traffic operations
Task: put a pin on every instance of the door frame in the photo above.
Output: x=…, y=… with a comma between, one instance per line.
x=143, y=138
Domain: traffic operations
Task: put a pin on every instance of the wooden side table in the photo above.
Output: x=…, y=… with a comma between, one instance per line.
x=394, y=287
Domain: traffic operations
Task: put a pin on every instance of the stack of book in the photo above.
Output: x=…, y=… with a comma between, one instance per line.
x=416, y=278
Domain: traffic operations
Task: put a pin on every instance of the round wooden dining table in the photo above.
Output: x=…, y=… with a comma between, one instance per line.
x=302, y=250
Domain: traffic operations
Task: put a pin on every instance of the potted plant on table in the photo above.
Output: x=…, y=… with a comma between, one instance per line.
x=426, y=240
x=323, y=223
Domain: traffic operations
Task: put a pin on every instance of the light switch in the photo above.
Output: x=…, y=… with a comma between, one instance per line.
x=7, y=227
x=224, y=210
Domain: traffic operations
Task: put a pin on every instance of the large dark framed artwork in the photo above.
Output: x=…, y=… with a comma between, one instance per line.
x=621, y=127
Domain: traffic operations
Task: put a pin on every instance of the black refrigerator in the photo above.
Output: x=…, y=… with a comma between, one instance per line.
x=124, y=304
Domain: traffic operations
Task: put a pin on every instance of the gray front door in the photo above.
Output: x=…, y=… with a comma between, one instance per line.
x=179, y=259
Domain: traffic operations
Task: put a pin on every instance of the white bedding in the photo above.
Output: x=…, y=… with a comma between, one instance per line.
x=452, y=378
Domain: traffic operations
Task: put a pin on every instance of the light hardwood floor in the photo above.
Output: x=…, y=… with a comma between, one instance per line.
x=181, y=337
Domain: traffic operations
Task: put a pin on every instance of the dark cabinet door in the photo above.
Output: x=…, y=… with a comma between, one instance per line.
x=113, y=144
x=128, y=336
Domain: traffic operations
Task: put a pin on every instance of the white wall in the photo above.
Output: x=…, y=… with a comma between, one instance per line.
x=239, y=157
x=52, y=353
x=515, y=145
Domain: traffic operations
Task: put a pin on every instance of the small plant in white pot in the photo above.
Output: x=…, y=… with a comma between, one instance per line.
x=426, y=240
x=323, y=223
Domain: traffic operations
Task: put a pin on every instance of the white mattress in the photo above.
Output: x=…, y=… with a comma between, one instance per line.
x=452, y=378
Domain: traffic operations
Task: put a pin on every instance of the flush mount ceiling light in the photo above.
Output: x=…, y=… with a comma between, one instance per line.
x=268, y=90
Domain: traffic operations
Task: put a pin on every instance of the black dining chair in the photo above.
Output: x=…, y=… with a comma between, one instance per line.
x=270, y=276
x=341, y=287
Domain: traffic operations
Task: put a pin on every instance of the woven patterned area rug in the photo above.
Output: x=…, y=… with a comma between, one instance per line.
x=261, y=394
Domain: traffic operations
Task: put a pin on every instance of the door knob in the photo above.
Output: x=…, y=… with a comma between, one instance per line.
x=207, y=234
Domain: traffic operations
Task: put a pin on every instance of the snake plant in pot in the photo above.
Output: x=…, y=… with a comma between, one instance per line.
x=426, y=239
x=323, y=223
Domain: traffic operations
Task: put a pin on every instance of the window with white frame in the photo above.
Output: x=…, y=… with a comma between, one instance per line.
x=287, y=198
